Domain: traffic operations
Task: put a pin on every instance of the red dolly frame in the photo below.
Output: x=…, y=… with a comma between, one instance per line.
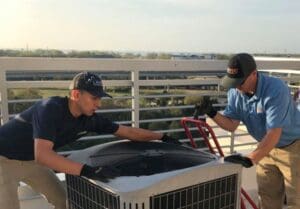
x=202, y=127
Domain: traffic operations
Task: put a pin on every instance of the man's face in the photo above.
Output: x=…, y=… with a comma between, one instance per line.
x=88, y=103
x=248, y=85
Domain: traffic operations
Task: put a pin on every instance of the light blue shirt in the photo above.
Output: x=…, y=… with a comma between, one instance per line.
x=271, y=106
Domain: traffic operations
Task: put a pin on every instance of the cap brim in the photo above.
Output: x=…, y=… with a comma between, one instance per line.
x=101, y=94
x=228, y=82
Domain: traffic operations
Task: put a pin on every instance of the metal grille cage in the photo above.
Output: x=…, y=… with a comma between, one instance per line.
x=82, y=194
x=217, y=194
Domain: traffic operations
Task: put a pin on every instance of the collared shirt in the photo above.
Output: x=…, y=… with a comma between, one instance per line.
x=271, y=106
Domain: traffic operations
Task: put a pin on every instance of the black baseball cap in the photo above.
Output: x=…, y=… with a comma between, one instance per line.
x=89, y=82
x=240, y=66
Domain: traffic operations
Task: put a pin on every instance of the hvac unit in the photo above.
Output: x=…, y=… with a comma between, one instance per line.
x=155, y=175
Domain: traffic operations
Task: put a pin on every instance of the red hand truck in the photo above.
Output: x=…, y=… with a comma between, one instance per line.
x=204, y=129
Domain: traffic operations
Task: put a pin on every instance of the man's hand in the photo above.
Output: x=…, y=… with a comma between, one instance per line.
x=168, y=139
x=102, y=173
x=205, y=106
x=239, y=159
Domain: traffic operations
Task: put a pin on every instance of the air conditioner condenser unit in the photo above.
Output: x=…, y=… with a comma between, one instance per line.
x=155, y=175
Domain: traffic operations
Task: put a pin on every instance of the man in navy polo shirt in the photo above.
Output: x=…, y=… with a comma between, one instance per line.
x=264, y=104
x=28, y=142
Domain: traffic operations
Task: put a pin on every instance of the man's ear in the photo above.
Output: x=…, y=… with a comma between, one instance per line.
x=74, y=94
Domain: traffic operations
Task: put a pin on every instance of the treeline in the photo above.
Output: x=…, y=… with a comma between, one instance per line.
x=93, y=54
x=278, y=55
x=107, y=54
x=58, y=53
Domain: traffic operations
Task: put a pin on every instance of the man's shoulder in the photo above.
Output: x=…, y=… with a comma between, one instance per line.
x=54, y=101
x=233, y=92
x=274, y=84
x=272, y=80
x=52, y=105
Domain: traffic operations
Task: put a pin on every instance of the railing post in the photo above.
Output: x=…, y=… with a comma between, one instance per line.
x=232, y=135
x=289, y=76
x=219, y=89
x=3, y=97
x=135, y=101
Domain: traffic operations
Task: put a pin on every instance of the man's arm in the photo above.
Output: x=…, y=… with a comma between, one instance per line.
x=206, y=107
x=225, y=122
x=266, y=145
x=137, y=134
x=44, y=155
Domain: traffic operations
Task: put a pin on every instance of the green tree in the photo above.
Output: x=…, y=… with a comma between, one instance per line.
x=151, y=55
x=15, y=94
x=163, y=56
x=158, y=126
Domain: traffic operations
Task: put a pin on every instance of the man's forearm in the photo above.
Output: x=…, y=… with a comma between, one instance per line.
x=225, y=122
x=59, y=163
x=137, y=134
x=266, y=145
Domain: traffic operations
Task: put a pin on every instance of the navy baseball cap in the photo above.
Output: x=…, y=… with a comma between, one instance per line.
x=89, y=82
x=240, y=66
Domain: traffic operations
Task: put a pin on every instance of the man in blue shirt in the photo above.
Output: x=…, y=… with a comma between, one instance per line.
x=28, y=141
x=297, y=98
x=264, y=104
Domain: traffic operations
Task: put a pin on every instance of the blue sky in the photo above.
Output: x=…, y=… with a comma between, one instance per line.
x=260, y=26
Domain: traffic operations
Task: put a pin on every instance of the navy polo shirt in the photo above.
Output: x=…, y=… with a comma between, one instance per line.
x=270, y=107
x=48, y=119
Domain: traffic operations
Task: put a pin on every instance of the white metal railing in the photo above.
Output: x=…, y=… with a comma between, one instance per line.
x=206, y=72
